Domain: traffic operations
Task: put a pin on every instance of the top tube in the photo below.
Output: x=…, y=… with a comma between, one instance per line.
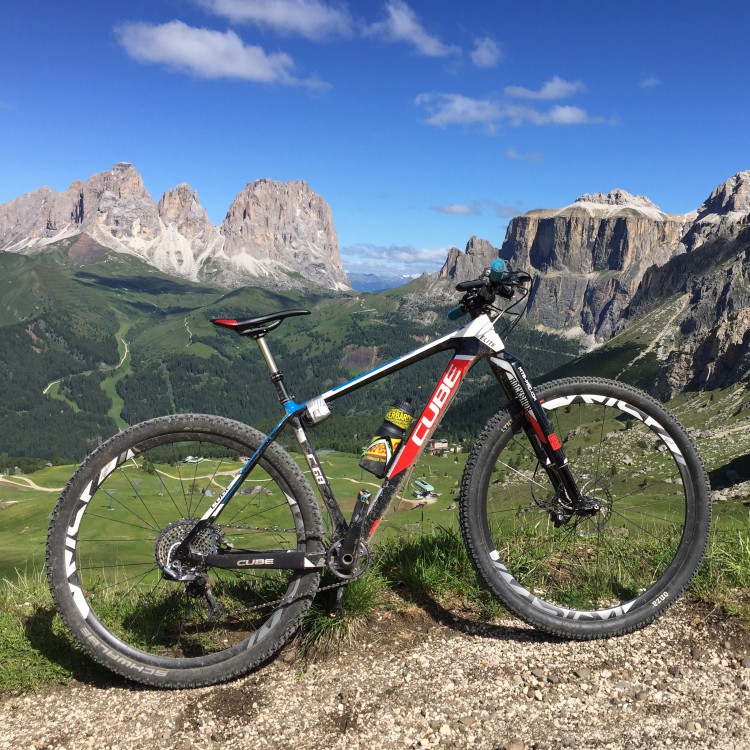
x=480, y=328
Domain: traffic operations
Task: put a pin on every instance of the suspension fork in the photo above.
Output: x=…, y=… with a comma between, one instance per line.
x=546, y=444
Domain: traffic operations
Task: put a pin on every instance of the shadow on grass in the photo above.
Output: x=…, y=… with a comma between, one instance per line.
x=433, y=569
x=735, y=471
x=476, y=626
x=59, y=650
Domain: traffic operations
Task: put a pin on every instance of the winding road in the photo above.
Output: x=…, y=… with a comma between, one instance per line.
x=88, y=372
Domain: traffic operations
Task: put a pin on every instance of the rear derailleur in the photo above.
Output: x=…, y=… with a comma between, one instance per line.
x=200, y=588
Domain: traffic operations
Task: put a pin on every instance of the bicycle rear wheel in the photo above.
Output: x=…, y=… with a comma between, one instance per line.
x=129, y=506
x=600, y=575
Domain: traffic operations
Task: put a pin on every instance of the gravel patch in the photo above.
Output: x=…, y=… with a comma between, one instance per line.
x=683, y=682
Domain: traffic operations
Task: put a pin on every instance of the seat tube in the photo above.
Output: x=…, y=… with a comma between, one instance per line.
x=276, y=377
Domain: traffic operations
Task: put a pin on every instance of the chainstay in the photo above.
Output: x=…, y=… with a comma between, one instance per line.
x=283, y=600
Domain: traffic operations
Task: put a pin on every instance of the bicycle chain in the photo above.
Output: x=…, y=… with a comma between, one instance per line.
x=283, y=600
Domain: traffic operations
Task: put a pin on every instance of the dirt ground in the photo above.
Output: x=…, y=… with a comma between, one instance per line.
x=439, y=679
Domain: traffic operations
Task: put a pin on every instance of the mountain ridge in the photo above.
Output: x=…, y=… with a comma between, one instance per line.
x=589, y=257
x=272, y=231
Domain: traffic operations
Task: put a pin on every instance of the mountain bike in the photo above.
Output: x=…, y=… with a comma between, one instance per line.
x=186, y=549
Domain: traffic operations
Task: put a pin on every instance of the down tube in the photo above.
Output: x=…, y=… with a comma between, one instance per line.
x=424, y=427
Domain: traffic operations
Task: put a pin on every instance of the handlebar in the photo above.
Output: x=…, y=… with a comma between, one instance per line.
x=480, y=293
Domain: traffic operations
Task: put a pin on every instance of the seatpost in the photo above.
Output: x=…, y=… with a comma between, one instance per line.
x=276, y=377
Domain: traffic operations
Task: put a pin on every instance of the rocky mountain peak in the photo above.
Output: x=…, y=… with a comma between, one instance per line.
x=274, y=232
x=731, y=196
x=181, y=208
x=273, y=223
x=117, y=208
x=460, y=266
x=591, y=256
x=618, y=197
x=723, y=214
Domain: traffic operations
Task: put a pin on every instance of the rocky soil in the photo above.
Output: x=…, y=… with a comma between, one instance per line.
x=684, y=682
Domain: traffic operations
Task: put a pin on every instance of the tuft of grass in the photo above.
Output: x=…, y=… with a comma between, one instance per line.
x=724, y=577
x=433, y=567
x=35, y=648
x=324, y=630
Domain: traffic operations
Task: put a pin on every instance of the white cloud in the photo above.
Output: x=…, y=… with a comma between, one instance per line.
x=486, y=53
x=556, y=88
x=501, y=210
x=206, y=53
x=514, y=155
x=455, y=109
x=650, y=82
x=312, y=19
x=402, y=25
x=567, y=115
x=459, y=209
x=505, y=210
x=407, y=260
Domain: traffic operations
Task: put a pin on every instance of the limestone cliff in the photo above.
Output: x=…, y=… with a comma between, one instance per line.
x=275, y=234
x=188, y=236
x=460, y=266
x=589, y=257
x=723, y=214
x=710, y=339
x=271, y=225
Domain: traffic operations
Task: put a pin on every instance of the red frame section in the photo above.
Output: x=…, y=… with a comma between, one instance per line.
x=430, y=417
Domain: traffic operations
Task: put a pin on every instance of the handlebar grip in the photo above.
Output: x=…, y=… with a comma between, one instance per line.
x=463, y=286
x=455, y=313
x=498, y=270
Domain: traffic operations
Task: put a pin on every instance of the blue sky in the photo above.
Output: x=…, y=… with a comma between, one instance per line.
x=421, y=123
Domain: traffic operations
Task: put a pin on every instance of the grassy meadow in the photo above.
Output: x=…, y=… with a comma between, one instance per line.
x=420, y=554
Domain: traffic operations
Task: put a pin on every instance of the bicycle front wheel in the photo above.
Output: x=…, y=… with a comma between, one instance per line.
x=127, y=509
x=599, y=575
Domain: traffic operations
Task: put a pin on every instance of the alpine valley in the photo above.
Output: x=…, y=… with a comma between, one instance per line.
x=106, y=296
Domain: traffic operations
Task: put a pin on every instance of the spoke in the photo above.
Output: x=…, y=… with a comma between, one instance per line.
x=111, y=540
x=164, y=485
x=249, y=498
x=658, y=537
x=597, y=472
x=136, y=578
x=124, y=523
x=143, y=503
x=117, y=565
x=528, y=478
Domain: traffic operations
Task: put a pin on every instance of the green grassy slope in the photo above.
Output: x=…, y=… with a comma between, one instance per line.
x=77, y=320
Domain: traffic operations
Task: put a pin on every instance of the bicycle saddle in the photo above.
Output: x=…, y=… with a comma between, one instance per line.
x=255, y=328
